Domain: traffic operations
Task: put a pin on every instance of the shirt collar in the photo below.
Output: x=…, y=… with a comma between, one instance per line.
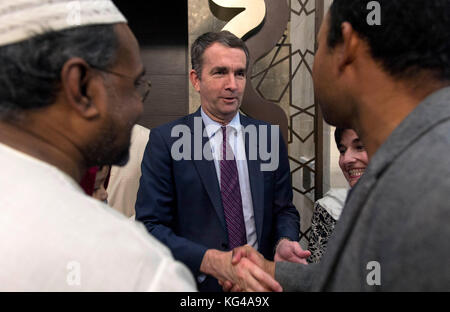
x=213, y=126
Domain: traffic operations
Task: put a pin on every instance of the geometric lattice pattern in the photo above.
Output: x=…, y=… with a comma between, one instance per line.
x=284, y=77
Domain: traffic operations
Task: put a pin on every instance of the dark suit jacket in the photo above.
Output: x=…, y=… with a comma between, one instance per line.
x=179, y=201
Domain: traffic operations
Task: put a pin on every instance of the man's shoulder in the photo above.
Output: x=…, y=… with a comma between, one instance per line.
x=247, y=120
x=71, y=227
x=167, y=127
x=114, y=254
x=107, y=233
x=173, y=130
x=128, y=246
x=428, y=150
x=419, y=175
x=187, y=120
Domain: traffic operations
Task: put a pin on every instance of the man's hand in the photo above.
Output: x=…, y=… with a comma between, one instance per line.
x=244, y=274
x=263, y=278
x=291, y=251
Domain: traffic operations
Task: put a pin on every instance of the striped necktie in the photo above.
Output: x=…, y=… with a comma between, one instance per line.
x=231, y=195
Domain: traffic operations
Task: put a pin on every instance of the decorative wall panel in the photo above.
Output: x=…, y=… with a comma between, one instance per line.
x=283, y=77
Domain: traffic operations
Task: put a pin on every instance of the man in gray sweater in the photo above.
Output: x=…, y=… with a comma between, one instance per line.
x=383, y=69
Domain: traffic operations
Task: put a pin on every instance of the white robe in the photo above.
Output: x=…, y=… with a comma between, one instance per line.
x=55, y=238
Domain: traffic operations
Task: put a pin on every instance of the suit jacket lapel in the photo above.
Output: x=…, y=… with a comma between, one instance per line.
x=206, y=168
x=256, y=179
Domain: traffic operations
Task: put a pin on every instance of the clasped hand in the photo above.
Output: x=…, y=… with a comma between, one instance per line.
x=251, y=272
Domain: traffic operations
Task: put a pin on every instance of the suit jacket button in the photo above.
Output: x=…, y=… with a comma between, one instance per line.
x=224, y=245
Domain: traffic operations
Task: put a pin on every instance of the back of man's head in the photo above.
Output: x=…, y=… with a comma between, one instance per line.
x=413, y=36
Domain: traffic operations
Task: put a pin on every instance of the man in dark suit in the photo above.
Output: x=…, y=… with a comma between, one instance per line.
x=213, y=188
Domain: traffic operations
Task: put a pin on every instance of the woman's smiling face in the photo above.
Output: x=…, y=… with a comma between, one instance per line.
x=353, y=159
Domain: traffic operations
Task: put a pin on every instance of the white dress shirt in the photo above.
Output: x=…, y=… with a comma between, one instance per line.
x=236, y=141
x=55, y=238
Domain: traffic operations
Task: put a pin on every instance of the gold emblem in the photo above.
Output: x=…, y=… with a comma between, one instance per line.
x=242, y=15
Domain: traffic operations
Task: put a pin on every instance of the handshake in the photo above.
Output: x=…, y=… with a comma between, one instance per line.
x=245, y=269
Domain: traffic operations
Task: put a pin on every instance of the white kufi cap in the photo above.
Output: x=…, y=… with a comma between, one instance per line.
x=23, y=19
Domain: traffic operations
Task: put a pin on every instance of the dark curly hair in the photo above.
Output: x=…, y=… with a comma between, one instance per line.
x=414, y=35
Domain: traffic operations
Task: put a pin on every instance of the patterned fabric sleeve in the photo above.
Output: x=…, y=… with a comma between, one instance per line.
x=322, y=225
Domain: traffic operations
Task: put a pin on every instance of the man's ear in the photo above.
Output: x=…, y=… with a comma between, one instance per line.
x=195, y=80
x=76, y=77
x=349, y=47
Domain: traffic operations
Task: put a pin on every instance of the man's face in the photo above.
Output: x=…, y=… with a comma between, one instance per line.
x=124, y=105
x=222, y=82
x=327, y=88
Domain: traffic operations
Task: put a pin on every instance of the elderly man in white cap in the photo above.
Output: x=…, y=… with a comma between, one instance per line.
x=71, y=89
